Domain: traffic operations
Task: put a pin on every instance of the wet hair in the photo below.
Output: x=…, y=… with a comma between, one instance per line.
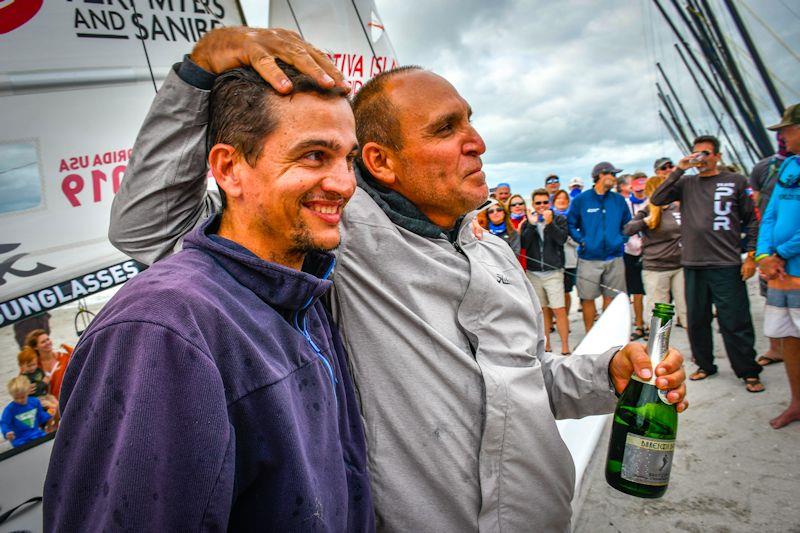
x=32, y=338
x=242, y=109
x=18, y=385
x=27, y=355
x=376, y=116
x=707, y=139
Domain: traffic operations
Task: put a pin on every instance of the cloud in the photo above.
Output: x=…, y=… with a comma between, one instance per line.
x=559, y=86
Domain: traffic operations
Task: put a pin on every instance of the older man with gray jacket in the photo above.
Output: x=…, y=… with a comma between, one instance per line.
x=444, y=331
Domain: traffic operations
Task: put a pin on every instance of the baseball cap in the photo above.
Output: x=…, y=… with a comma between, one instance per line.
x=790, y=116
x=660, y=161
x=605, y=168
x=552, y=178
x=503, y=184
x=575, y=182
x=638, y=183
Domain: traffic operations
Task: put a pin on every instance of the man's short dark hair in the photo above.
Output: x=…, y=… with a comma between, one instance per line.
x=707, y=139
x=376, y=116
x=242, y=107
x=540, y=192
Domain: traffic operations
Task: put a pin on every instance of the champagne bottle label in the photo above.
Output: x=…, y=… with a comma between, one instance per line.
x=647, y=461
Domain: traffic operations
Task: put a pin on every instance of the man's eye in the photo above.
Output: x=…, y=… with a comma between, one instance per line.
x=350, y=159
x=317, y=155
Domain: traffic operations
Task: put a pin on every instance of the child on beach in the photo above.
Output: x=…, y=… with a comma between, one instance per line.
x=39, y=381
x=22, y=419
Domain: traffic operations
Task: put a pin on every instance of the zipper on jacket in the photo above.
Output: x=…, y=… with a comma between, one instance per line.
x=303, y=329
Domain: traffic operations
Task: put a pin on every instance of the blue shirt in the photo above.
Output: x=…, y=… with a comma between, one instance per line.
x=779, y=231
x=24, y=420
x=596, y=223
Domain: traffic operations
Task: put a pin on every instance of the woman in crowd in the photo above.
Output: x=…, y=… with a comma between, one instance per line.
x=52, y=362
x=561, y=201
x=518, y=214
x=660, y=228
x=634, y=286
x=497, y=220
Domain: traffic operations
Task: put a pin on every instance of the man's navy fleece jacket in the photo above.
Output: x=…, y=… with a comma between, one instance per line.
x=596, y=223
x=211, y=393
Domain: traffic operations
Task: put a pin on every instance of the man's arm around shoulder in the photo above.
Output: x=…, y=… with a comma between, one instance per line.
x=144, y=439
x=669, y=191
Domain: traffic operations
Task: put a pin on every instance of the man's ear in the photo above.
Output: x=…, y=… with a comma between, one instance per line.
x=380, y=162
x=224, y=163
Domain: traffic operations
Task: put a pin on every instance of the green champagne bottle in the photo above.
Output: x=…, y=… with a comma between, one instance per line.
x=645, y=425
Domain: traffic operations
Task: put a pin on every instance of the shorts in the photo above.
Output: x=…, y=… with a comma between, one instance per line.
x=549, y=287
x=569, y=279
x=593, y=274
x=633, y=274
x=782, y=315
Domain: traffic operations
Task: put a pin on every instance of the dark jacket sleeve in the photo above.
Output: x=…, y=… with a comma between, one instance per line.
x=144, y=440
x=557, y=230
x=163, y=195
x=574, y=221
x=669, y=191
x=514, y=242
x=637, y=224
x=747, y=214
x=527, y=236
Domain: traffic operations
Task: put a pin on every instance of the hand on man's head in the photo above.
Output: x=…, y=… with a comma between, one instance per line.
x=228, y=48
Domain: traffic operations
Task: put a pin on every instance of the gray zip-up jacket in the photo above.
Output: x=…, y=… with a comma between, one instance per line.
x=445, y=343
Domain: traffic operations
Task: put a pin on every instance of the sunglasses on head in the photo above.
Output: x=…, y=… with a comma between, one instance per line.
x=516, y=204
x=491, y=211
x=666, y=166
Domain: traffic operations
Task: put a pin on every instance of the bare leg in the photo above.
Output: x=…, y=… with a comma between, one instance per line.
x=791, y=359
x=638, y=309
x=606, y=302
x=567, y=301
x=774, y=351
x=589, y=312
x=562, y=325
x=548, y=323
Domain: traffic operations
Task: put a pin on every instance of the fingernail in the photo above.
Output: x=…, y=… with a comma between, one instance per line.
x=661, y=371
x=645, y=373
x=327, y=79
x=285, y=83
x=661, y=382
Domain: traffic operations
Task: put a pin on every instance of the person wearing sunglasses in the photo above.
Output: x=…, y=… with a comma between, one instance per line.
x=543, y=238
x=498, y=222
x=662, y=167
x=716, y=208
x=518, y=213
x=552, y=184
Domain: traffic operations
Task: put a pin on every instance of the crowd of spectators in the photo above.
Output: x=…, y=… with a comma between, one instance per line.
x=675, y=236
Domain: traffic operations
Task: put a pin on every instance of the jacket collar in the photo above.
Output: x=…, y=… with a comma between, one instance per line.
x=278, y=286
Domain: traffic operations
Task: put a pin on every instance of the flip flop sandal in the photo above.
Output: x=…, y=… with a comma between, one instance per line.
x=700, y=375
x=754, y=385
x=638, y=333
x=765, y=360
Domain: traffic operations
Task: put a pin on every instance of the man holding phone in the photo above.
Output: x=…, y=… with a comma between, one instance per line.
x=716, y=209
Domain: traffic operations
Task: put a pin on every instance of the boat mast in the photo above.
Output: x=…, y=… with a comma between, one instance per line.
x=677, y=100
x=751, y=47
x=684, y=150
x=675, y=121
x=720, y=96
x=717, y=118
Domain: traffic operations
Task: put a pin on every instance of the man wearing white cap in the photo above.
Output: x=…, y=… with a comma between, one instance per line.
x=575, y=187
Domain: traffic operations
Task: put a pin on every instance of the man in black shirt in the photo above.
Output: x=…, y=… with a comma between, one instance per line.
x=716, y=208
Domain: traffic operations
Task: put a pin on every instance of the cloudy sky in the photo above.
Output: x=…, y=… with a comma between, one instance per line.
x=558, y=86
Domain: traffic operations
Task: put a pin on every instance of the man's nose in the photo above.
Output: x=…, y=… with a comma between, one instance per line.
x=341, y=180
x=474, y=144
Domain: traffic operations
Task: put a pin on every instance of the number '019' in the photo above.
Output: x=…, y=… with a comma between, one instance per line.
x=73, y=184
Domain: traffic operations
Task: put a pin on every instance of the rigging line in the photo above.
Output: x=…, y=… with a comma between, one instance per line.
x=296, y=22
x=771, y=73
x=789, y=9
x=364, y=29
x=650, y=56
x=573, y=274
x=146, y=55
x=769, y=29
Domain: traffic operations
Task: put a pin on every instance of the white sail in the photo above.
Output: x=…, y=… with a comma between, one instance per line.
x=350, y=32
x=75, y=85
